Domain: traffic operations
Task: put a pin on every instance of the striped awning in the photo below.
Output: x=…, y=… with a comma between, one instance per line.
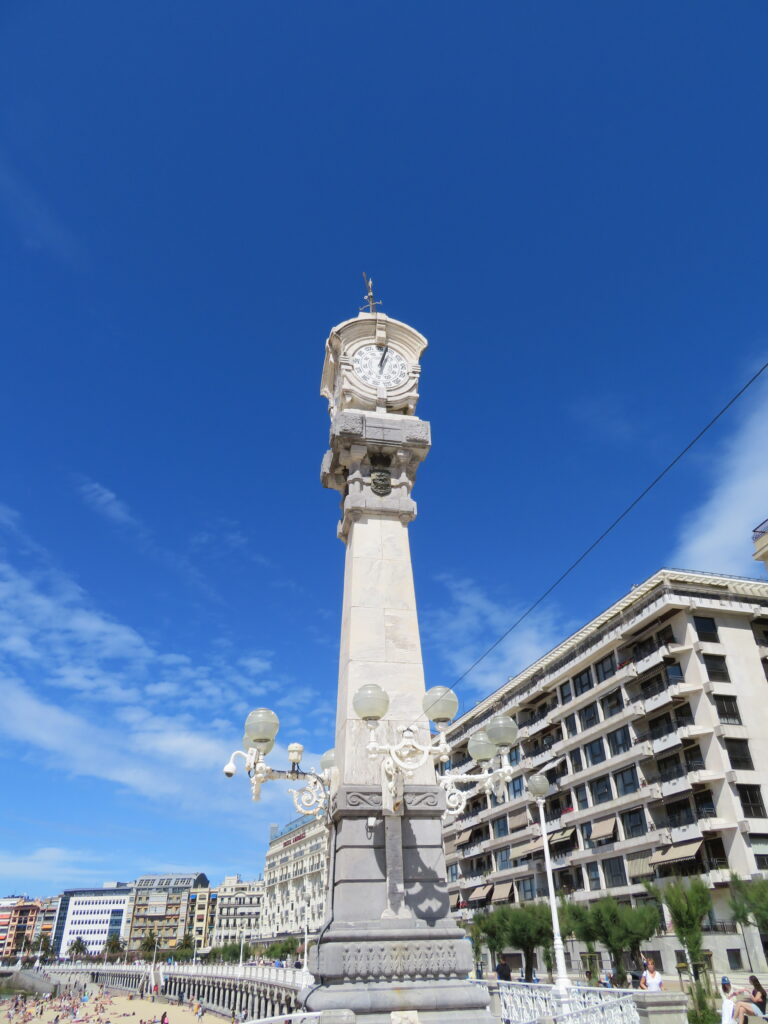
x=527, y=849
x=454, y=900
x=463, y=837
x=502, y=891
x=450, y=846
x=639, y=864
x=480, y=893
x=673, y=854
x=603, y=829
x=562, y=836
x=519, y=819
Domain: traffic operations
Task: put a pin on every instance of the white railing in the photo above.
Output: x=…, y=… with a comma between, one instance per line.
x=522, y=1002
x=289, y=977
x=613, y=1011
x=284, y=1018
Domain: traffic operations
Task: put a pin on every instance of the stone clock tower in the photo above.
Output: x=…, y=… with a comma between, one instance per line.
x=389, y=950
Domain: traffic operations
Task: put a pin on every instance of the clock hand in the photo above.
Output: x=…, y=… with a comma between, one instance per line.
x=383, y=357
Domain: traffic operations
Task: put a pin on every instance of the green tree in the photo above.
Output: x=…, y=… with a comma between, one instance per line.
x=688, y=903
x=493, y=930
x=528, y=927
x=749, y=903
x=77, y=948
x=44, y=947
x=621, y=928
x=149, y=943
x=113, y=946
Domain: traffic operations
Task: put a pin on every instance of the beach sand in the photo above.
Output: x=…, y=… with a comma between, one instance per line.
x=115, y=1008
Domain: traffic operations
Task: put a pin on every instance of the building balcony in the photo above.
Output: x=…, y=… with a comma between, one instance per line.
x=671, y=787
x=760, y=541
x=685, y=833
x=714, y=824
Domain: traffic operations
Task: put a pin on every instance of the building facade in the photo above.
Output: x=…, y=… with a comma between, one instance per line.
x=18, y=919
x=295, y=879
x=201, y=914
x=238, y=911
x=160, y=907
x=91, y=915
x=46, y=923
x=651, y=725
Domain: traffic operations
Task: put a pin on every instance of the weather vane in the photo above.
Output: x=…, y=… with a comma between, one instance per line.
x=372, y=303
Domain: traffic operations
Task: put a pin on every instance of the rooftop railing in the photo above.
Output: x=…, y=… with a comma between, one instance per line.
x=760, y=531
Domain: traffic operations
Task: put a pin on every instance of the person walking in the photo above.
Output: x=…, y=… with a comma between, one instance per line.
x=651, y=980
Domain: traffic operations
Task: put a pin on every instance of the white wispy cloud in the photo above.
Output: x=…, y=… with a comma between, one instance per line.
x=47, y=862
x=471, y=620
x=717, y=536
x=105, y=502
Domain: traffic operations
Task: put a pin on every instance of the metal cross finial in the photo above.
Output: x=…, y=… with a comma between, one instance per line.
x=372, y=303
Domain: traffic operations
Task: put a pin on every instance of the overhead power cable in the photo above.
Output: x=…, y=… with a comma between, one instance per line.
x=598, y=540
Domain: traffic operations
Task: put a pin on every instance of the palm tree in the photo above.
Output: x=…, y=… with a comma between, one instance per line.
x=114, y=946
x=150, y=942
x=77, y=948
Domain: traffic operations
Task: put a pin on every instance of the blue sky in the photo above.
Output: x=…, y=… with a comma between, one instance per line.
x=569, y=200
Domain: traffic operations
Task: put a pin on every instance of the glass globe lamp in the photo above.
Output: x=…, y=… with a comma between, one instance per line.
x=481, y=747
x=371, y=703
x=264, y=748
x=502, y=730
x=440, y=705
x=328, y=760
x=262, y=725
x=538, y=786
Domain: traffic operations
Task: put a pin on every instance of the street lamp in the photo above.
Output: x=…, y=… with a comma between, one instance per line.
x=538, y=787
x=261, y=727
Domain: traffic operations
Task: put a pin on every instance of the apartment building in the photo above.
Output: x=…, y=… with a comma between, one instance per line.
x=295, y=879
x=238, y=911
x=18, y=918
x=91, y=915
x=651, y=725
x=46, y=922
x=160, y=906
x=201, y=914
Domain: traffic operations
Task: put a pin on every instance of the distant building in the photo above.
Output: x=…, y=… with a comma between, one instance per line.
x=295, y=879
x=760, y=540
x=160, y=906
x=201, y=914
x=18, y=918
x=238, y=911
x=651, y=725
x=46, y=922
x=91, y=915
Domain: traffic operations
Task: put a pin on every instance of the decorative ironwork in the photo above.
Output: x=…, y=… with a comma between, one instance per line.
x=490, y=782
x=522, y=1002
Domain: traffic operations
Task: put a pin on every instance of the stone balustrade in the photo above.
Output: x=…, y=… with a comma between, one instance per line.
x=222, y=988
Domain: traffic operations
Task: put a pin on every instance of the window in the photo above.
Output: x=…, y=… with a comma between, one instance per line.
x=514, y=756
x=605, y=668
x=589, y=716
x=566, y=694
x=634, y=823
x=582, y=682
x=727, y=710
x=612, y=704
x=500, y=827
x=759, y=845
x=613, y=869
x=453, y=872
x=705, y=805
x=527, y=888
x=516, y=787
x=580, y=796
x=734, y=959
x=706, y=629
x=593, y=874
x=502, y=859
x=717, y=670
x=626, y=781
x=601, y=790
x=679, y=813
x=576, y=764
x=595, y=751
x=619, y=740
x=752, y=801
x=738, y=752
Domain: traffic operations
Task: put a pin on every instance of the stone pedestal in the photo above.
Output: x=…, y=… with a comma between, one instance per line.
x=661, y=1007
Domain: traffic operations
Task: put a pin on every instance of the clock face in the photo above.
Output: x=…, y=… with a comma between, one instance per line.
x=380, y=367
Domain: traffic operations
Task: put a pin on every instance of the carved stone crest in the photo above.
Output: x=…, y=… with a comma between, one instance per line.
x=381, y=476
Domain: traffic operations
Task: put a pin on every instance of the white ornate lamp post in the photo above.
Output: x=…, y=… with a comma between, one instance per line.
x=538, y=787
x=261, y=727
